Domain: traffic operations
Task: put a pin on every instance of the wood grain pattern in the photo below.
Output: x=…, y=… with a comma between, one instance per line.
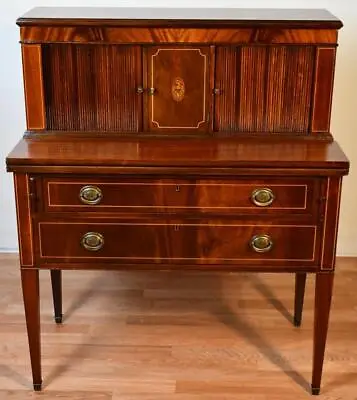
x=33, y=85
x=23, y=197
x=148, y=16
x=183, y=70
x=323, y=87
x=97, y=77
x=178, y=242
x=330, y=212
x=113, y=35
x=224, y=196
x=264, y=89
x=112, y=347
x=170, y=153
x=92, y=88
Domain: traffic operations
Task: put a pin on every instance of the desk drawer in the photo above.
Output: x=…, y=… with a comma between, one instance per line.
x=293, y=196
x=202, y=242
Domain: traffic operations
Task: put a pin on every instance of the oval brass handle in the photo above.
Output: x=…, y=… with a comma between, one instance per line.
x=262, y=197
x=92, y=241
x=139, y=90
x=90, y=195
x=261, y=243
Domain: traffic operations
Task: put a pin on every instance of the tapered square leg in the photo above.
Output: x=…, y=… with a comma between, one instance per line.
x=300, y=282
x=31, y=294
x=56, y=281
x=323, y=296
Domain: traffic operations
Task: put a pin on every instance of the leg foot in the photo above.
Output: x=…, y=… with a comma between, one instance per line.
x=56, y=281
x=37, y=387
x=300, y=281
x=315, y=391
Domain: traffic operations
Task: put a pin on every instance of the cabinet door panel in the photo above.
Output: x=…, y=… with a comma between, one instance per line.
x=93, y=87
x=264, y=88
x=178, y=79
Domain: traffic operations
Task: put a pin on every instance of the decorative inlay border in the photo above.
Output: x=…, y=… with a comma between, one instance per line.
x=175, y=225
x=51, y=204
x=156, y=123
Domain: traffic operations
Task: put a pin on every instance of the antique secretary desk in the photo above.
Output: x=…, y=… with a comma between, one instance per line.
x=178, y=139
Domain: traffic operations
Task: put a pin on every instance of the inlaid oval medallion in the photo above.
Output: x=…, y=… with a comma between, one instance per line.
x=178, y=89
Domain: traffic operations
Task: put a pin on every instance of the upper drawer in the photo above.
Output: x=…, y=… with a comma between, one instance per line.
x=257, y=196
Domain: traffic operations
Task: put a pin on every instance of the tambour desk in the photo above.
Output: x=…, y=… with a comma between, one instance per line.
x=194, y=139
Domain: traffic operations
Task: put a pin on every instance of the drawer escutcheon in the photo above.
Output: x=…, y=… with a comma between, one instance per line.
x=262, y=197
x=90, y=194
x=92, y=241
x=261, y=243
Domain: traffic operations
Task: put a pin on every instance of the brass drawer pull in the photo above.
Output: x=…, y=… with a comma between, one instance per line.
x=262, y=197
x=92, y=241
x=261, y=243
x=151, y=91
x=90, y=195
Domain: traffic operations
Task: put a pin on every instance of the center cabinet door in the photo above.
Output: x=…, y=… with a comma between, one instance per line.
x=179, y=93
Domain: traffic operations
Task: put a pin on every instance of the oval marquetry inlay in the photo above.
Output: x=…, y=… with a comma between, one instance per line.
x=178, y=89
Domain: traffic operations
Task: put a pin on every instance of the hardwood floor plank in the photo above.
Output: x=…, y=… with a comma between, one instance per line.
x=177, y=336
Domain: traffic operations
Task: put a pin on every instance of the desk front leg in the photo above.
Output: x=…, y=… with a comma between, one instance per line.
x=31, y=294
x=323, y=296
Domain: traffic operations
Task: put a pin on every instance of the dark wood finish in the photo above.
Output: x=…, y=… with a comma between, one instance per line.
x=323, y=296
x=107, y=16
x=170, y=241
x=300, y=281
x=179, y=79
x=325, y=69
x=31, y=294
x=120, y=35
x=24, y=195
x=330, y=212
x=264, y=89
x=33, y=85
x=93, y=88
x=176, y=122
x=292, y=196
x=170, y=153
x=56, y=282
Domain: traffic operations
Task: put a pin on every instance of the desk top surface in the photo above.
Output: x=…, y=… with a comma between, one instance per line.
x=135, y=15
x=168, y=152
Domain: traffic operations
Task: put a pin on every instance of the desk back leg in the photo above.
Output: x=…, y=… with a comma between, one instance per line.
x=323, y=296
x=300, y=281
x=56, y=281
x=31, y=294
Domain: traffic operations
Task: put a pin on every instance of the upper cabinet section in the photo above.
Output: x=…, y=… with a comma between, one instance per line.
x=217, y=72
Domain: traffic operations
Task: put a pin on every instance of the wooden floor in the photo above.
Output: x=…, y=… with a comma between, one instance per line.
x=177, y=336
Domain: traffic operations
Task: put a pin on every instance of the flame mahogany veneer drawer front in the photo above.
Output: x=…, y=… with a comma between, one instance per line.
x=269, y=195
x=178, y=242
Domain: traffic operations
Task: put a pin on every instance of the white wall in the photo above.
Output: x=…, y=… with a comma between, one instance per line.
x=344, y=117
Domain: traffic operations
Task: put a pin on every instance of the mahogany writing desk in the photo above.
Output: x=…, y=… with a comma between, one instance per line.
x=178, y=139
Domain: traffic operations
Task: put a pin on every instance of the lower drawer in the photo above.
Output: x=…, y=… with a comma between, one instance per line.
x=167, y=242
